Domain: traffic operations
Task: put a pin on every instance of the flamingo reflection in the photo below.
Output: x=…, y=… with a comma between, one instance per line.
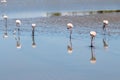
x=92, y=34
x=105, y=43
x=69, y=47
x=5, y=17
x=93, y=58
x=17, y=34
x=33, y=32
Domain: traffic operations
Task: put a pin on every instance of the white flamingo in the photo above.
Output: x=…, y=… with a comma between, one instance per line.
x=5, y=17
x=105, y=23
x=18, y=44
x=33, y=39
x=33, y=25
x=92, y=34
x=17, y=29
x=18, y=23
x=69, y=27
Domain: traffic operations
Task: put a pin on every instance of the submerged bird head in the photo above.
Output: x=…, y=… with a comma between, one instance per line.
x=105, y=22
x=18, y=22
x=5, y=16
x=92, y=33
x=33, y=25
x=69, y=25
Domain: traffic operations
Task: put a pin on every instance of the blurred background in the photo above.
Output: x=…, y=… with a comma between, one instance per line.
x=28, y=7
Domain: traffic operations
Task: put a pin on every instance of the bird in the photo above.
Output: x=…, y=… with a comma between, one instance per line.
x=18, y=22
x=18, y=44
x=105, y=23
x=33, y=39
x=69, y=27
x=93, y=35
x=33, y=25
x=17, y=38
x=5, y=17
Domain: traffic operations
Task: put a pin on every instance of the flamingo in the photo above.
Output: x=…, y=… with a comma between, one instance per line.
x=105, y=23
x=93, y=35
x=18, y=44
x=33, y=39
x=69, y=27
x=33, y=25
x=5, y=17
x=18, y=22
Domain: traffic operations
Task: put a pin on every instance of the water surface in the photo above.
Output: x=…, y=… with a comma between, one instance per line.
x=43, y=54
x=50, y=58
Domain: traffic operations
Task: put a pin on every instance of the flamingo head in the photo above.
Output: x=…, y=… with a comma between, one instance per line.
x=69, y=25
x=18, y=22
x=92, y=33
x=105, y=22
x=33, y=25
x=5, y=16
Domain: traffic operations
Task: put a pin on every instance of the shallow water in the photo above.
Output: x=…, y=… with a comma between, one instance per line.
x=50, y=59
x=44, y=52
